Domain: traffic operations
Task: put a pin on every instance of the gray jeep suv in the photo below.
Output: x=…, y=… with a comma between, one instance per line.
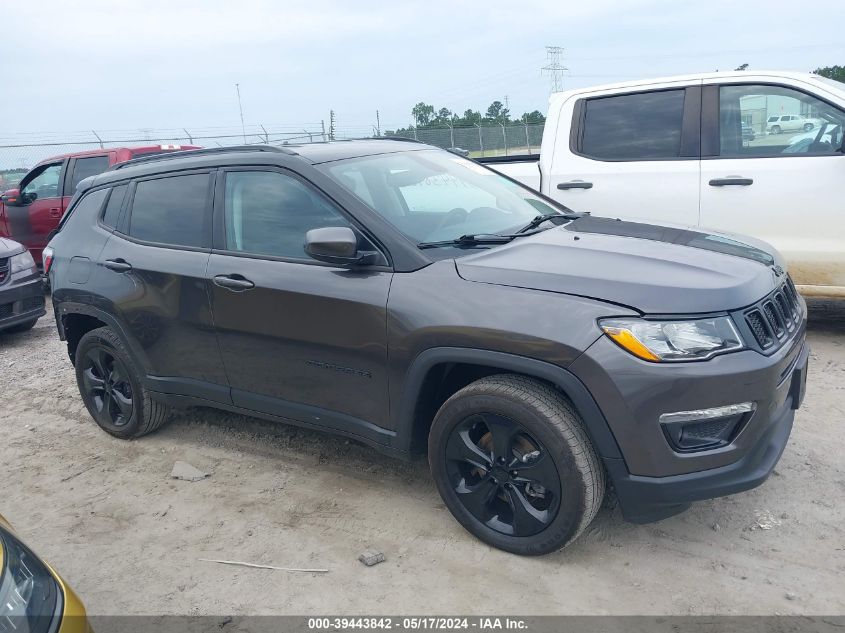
x=419, y=302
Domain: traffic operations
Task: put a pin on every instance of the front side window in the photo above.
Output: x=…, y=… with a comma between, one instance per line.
x=85, y=167
x=45, y=183
x=269, y=213
x=430, y=195
x=172, y=210
x=782, y=121
x=643, y=126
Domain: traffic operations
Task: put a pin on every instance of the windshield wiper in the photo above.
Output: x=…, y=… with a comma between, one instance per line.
x=470, y=240
x=545, y=217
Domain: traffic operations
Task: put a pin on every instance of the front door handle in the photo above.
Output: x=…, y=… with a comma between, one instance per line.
x=237, y=283
x=118, y=265
x=56, y=212
x=731, y=181
x=575, y=184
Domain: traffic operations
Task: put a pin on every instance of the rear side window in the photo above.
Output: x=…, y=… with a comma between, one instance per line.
x=643, y=126
x=112, y=213
x=84, y=167
x=171, y=210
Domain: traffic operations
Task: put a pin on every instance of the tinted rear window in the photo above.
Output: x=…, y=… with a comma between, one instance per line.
x=112, y=213
x=85, y=167
x=634, y=127
x=171, y=210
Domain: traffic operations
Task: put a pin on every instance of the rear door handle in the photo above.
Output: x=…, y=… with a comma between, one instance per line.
x=731, y=181
x=56, y=212
x=575, y=184
x=233, y=282
x=118, y=265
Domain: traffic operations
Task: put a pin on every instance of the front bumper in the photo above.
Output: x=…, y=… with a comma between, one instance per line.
x=645, y=499
x=652, y=480
x=21, y=302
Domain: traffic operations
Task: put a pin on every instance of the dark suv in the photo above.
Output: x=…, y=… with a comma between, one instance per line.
x=419, y=302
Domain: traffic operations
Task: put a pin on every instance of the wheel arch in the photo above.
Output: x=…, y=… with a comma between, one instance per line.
x=74, y=320
x=423, y=393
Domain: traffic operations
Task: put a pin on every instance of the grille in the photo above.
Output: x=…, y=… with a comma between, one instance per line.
x=6, y=310
x=32, y=303
x=4, y=269
x=773, y=318
x=709, y=430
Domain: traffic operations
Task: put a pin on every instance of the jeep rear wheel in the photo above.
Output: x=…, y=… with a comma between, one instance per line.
x=111, y=389
x=513, y=464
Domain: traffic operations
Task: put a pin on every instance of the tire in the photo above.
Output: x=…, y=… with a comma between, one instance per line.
x=547, y=444
x=808, y=127
x=110, y=386
x=22, y=327
x=776, y=129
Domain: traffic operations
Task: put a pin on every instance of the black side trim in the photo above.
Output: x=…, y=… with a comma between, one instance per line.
x=357, y=430
x=596, y=425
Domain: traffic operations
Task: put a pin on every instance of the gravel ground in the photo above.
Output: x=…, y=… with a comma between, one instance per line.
x=127, y=537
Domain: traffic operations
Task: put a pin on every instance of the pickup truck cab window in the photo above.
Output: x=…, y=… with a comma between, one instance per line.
x=43, y=184
x=85, y=167
x=639, y=126
x=812, y=127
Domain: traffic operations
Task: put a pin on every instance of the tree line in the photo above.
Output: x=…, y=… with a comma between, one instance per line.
x=427, y=117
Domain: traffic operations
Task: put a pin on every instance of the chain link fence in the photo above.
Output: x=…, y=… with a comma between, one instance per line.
x=19, y=153
x=483, y=140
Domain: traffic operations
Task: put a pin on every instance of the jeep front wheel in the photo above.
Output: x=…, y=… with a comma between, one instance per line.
x=514, y=465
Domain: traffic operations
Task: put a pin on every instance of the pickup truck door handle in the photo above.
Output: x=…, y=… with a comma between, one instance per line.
x=731, y=181
x=236, y=283
x=56, y=212
x=575, y=184
x=118, y=265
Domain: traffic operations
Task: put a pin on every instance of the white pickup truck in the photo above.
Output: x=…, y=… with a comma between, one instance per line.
x=701, y=150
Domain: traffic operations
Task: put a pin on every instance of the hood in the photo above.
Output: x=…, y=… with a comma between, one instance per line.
x=9, y=247
x=652, y=268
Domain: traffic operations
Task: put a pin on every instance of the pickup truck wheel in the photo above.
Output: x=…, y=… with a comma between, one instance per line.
x=110, y=385
x=776, y=129
x=808, y=127
x=513, y=464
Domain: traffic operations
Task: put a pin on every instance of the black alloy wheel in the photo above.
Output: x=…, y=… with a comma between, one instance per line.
x=107, y=385
x=502, y=475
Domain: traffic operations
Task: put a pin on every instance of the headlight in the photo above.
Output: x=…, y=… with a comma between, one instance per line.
x=22, y=261
x=30, y=598
x=657, y=341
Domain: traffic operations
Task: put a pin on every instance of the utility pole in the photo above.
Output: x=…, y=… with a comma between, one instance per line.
x=507, y=103
x=331, y=125
x=378, y=124
x=554, y=67
x=241, y=110
x=323, y=125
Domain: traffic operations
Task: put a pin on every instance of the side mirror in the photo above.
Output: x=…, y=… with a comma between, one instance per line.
x=11, y=198
x=337, y=245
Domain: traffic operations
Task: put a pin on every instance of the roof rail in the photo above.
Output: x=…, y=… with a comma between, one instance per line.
x=201, y=152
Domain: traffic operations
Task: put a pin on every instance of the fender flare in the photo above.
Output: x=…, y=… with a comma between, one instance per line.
x=594, y=421
x=67, y=307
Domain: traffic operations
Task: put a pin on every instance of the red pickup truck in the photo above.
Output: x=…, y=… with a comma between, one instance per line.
x=30, y=213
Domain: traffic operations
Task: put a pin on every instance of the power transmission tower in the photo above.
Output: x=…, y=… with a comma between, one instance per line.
x=331, y=125
x=554, y=67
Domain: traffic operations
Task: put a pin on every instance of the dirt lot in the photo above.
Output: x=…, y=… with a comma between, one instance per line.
x=107, y=515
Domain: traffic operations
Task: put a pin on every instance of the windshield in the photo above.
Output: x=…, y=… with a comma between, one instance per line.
x=431, y=195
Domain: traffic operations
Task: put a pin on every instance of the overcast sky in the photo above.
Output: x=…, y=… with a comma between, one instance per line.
x=129, y=65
